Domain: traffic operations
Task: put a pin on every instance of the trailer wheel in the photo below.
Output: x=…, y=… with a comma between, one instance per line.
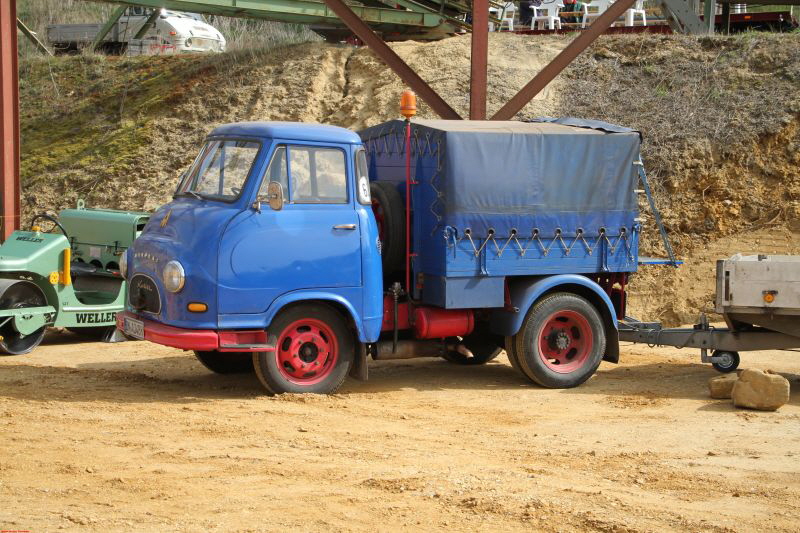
x=729, y=362
x=561, y=342
x=387, y=206
x=314, y=350
x=226, y=362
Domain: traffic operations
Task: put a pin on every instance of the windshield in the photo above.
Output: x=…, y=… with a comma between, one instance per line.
x=220, y=170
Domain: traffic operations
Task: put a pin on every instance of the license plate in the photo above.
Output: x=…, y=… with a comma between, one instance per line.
x=134, y=328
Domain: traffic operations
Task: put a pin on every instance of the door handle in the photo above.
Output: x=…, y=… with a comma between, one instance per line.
x=345, y=226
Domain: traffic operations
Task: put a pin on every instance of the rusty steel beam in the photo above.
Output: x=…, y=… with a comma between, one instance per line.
x=392, y=60
x=479, y=60
x=559, y=63
x=9, y=119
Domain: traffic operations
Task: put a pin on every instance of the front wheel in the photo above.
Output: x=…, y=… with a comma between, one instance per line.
x=314, y=350
x=561, y=342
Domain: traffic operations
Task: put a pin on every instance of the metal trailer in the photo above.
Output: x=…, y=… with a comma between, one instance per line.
x=759, y=298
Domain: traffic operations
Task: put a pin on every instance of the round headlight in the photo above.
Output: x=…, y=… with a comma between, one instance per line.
x=123, y=264
x=173, y=276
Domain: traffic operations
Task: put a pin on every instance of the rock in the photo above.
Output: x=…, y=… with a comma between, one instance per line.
x=756, y=389
x=721, y=387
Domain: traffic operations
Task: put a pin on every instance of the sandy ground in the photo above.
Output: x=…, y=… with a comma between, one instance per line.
x=136, y=436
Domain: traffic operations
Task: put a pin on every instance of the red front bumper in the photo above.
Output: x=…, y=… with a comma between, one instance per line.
x=201, y=340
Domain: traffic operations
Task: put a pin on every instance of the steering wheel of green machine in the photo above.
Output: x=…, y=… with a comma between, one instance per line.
x=54, y=220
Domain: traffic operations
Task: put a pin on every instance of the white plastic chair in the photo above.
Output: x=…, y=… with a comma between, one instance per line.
x=507, y=16
x=589, y=13
x=546, y=15
x=637, y=9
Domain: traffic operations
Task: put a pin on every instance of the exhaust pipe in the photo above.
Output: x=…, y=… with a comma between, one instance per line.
x=406, y=350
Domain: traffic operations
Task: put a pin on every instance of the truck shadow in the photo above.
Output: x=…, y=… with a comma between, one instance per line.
x=182, y=379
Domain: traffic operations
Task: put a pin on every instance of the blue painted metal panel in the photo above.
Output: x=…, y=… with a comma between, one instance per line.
x=525, y=291
x=262, y=255
x=288, y=130
x=464, y=293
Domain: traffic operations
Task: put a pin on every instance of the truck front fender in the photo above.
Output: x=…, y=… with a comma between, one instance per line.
x=525, y=291
x=365, y=334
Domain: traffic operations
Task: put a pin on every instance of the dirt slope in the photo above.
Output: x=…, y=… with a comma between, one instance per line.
x=136, y=436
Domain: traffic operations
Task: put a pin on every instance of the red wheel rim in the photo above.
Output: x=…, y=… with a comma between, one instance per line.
x=377, y=210
x=565, y=341
x=307, y=351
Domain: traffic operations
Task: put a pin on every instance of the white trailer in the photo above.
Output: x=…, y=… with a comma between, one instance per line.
x=759, y=298
x=141, y=31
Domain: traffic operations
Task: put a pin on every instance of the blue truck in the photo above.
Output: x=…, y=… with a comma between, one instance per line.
x=302, y=250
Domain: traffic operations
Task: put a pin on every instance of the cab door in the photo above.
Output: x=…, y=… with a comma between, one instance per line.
x=313, y=242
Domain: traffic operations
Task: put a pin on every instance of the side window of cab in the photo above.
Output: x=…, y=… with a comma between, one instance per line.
x=308, y=174
x=276, y=171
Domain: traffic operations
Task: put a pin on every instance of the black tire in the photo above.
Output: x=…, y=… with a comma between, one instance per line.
x=484, y=346
x=511, y=353
x=226, y=362
x=730, y=363
x=314, y=350
x=575, y=341
x=387, y=206
x=19, y=295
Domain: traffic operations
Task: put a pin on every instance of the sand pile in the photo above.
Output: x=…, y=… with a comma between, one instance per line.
x=719, y=118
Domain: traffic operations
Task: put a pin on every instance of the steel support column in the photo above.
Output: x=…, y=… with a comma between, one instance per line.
x=9, y=118
x=559, y=63
x=726, y=18
x=394, y=62
x=479, y=60
x=151, y=20
x=709, y=14
x=115, y=15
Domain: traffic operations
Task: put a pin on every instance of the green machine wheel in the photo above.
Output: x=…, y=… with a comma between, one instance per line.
x=20, y=333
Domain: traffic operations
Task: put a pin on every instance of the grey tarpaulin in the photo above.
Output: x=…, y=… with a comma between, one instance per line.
x=555, y=174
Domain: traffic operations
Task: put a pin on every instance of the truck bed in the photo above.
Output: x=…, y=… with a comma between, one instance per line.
x=496, y=199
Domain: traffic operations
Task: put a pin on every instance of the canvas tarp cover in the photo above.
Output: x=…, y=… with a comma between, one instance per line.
x=541, y=175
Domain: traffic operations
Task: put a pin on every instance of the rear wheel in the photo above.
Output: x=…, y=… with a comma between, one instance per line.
x=226, y=362
x=561, y=342
x=387, y=206
x=314, y=350
x=512, y=354
x=16, y=339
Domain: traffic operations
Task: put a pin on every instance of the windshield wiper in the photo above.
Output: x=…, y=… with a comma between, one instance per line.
x=191, y=193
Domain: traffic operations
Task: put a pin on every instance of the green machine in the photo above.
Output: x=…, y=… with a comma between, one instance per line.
x=67, y=276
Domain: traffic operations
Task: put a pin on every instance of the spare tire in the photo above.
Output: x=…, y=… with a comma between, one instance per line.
x=387, y=206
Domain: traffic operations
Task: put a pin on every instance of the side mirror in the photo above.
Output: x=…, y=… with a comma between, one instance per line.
x=275, y=195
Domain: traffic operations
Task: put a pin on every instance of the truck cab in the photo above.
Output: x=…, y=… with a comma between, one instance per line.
x=271, y=220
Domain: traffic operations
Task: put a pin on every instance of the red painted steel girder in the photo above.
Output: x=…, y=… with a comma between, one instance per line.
x=9, y=118
x=479, y=61
x=559, y=63
x=394, y=61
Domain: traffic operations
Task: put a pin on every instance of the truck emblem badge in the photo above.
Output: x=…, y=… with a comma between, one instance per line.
x=166, y=218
